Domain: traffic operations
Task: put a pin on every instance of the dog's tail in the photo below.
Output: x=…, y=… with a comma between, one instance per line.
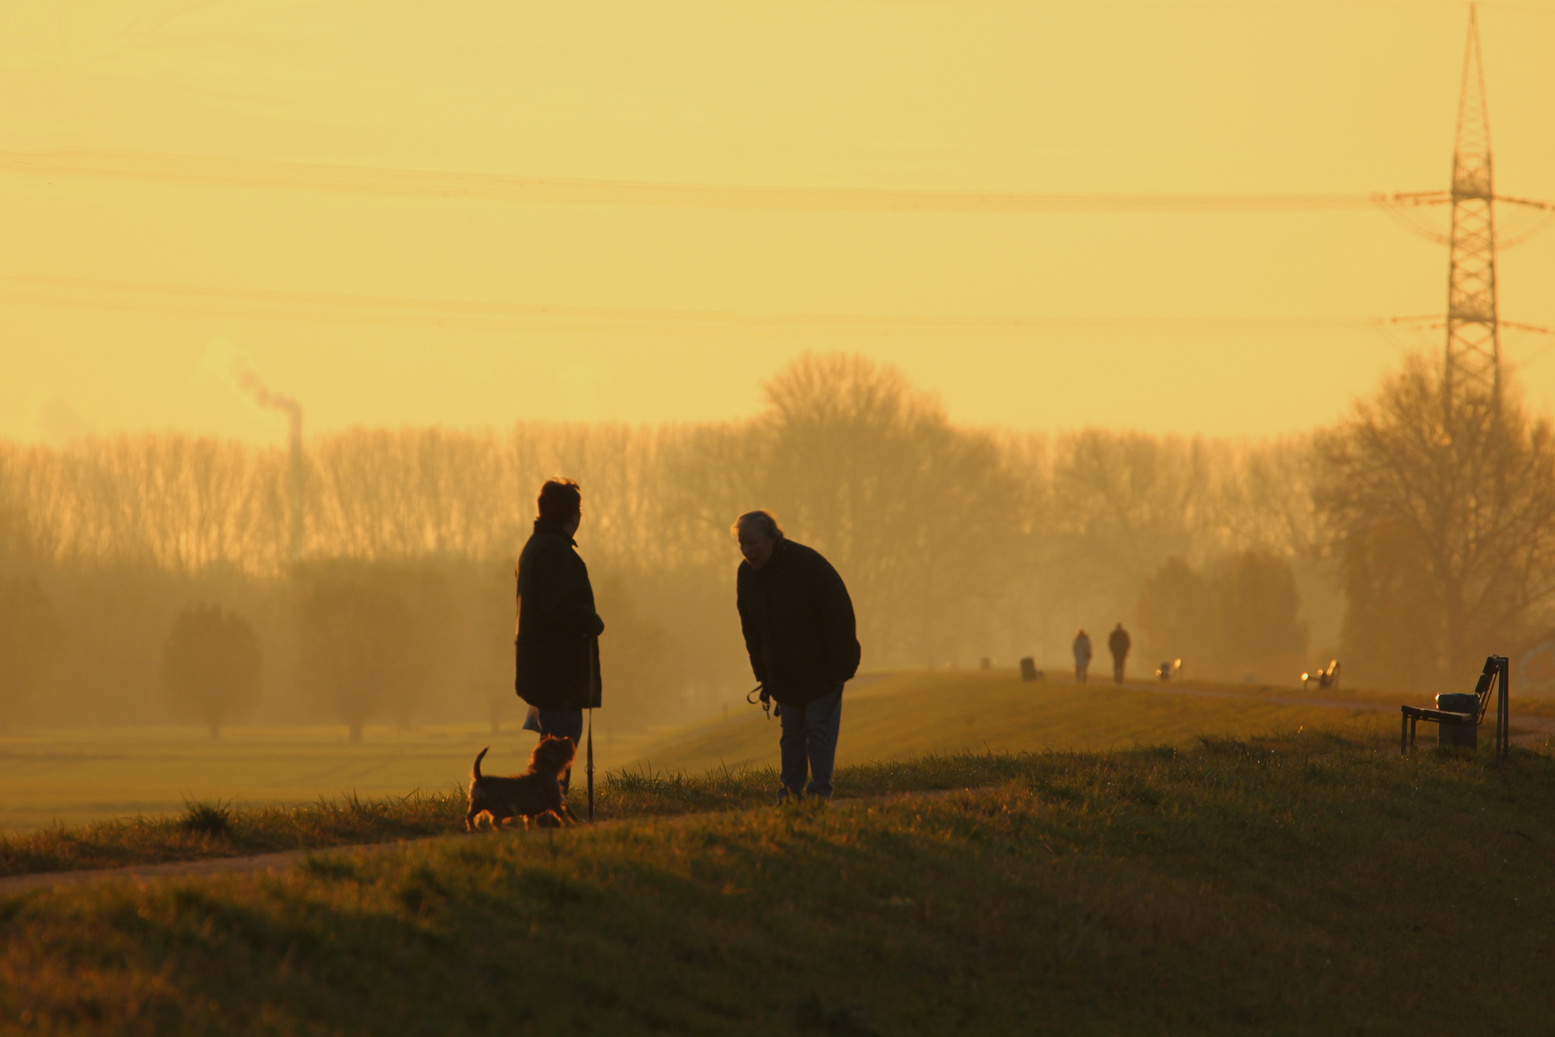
x=475, y=771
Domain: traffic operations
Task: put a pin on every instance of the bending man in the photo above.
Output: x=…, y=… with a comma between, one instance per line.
x=800, y=632
x=556, y=646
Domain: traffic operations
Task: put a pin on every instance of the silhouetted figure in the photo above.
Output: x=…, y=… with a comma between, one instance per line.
x=1118, y=643
x=800, y=632
x=555, y=642
x=1082, y=655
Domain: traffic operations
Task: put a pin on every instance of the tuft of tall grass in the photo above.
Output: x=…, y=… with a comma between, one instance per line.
x=211, y=819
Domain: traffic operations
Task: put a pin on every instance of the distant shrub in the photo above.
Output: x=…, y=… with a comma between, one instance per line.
x=211, y=666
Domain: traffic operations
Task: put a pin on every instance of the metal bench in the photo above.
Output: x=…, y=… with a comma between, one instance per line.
x=1495, y=677
x=1326, y=678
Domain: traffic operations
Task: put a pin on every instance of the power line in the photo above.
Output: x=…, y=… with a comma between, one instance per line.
x=89, y=293
x=191, y=170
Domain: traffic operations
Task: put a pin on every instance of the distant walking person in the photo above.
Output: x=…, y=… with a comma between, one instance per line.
x=1082, y=655
x=801, y=635
x=1119, y=643
x=556, y=639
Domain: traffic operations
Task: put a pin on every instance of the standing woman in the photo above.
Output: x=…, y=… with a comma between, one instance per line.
x=556, y=646
x=1082, y=655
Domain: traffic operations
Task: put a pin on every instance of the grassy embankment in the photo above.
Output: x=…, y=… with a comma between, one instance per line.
x=1301, y=884
x=899, y=717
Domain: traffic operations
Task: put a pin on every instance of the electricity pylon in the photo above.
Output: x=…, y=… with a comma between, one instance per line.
x=1472, y=365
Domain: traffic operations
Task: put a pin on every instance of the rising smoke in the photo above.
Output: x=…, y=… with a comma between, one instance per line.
x=231, y=363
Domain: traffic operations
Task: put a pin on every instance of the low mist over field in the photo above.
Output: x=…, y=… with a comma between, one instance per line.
x=368, y=579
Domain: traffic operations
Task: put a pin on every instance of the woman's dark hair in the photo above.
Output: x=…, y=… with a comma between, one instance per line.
x=560, y=500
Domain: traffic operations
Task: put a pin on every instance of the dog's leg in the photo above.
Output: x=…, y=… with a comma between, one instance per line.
x=568, y=812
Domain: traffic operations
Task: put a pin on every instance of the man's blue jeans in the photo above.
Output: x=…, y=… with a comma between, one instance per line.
x=564, y=723
x=810, y=743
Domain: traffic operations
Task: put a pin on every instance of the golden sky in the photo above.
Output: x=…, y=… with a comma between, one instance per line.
x=476, y=212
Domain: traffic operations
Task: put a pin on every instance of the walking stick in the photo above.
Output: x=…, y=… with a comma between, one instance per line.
x=588, y=768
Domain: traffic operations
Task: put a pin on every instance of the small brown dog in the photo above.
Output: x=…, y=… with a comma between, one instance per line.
x=534, y=793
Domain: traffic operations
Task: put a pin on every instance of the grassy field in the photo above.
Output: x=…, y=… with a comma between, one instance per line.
x=1305, y=884
x=907, y=714
x=888, y=720
x=77, y=777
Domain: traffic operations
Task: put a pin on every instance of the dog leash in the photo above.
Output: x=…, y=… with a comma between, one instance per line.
x=588, y=768
x=766, y=701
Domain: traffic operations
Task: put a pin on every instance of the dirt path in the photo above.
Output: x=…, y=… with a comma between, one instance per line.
x=1526, y=727
x=142, y=873
x=275, y=863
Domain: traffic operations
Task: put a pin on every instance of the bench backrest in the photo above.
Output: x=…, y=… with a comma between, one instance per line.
x=1487, y=681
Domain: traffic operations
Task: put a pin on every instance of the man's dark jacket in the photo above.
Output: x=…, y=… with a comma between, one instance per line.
x=1119, y=642
x=798, y=624
x=556, y=651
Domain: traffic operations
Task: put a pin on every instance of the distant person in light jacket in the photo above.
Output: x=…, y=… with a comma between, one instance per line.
x=1082, y=655
x=556, y=639
x=803, y=643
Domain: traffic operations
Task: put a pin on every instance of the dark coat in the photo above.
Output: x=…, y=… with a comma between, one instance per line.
x=1119, y=642
x=556, y=651
x=798, y=624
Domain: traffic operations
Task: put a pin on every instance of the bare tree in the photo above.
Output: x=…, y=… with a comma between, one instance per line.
x=912, y=511
x=1466, y=496
x=1392, y=634
x=355, y=645
x=1259, y=625
x=211, y=666
x=31, y=642
x=1177, y=617
x=372, y=638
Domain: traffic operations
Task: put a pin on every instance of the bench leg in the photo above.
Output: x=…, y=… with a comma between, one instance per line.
x=1403, y=736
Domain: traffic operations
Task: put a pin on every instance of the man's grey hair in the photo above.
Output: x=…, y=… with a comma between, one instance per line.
x=763, y=522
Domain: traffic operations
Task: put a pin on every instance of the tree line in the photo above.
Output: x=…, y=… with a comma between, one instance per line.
x=1406, y=539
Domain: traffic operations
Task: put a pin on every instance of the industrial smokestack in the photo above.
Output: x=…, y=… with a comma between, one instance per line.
x=248, y=380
